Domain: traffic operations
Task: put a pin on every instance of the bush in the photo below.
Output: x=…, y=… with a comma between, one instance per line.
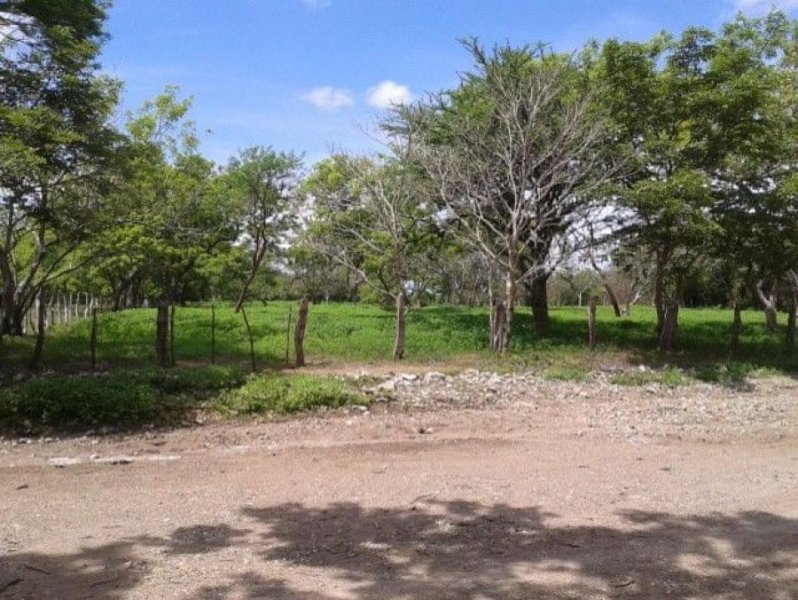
x=66, y=400
x=184, y=379
x=283, y=394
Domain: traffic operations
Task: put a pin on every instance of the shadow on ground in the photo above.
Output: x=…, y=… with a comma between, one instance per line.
x=456, y=550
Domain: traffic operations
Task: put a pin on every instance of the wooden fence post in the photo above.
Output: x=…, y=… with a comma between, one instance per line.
x=249, y=334
x=213, y=333
x=299, y=333
x=288, y=334
x=93, y=340
x=172, y=360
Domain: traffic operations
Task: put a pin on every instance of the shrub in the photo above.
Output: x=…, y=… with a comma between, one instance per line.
x=70, y=400
x=183, y=379
x=282, y=394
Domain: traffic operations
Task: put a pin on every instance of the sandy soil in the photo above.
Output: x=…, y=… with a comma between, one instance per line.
x=551, y=491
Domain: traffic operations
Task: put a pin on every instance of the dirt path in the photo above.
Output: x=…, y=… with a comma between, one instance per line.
x=543, y=493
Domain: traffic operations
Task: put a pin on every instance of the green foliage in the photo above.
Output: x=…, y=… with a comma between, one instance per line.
x=191, y=379
x=670, y=377
x=78, y=401
x=286, y=394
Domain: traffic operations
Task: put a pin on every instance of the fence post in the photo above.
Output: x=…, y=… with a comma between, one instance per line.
x=288, y=334
x=172, y=360
x=93, y=340
x=213, y=333
x=591, y=322
x=249, y=334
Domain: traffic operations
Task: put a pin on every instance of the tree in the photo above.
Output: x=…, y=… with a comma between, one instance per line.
x=262, y=183
x=172, y=211
x=709, y=120
x=370, y=218
x=57, y=146
x=515, y=154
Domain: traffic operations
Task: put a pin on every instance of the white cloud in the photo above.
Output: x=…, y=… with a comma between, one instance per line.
x=316, y=4
x=762, y=6
x=388, y=93
x=329, y=98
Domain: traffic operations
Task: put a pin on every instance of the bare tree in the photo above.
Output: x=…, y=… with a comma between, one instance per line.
x=515, y=154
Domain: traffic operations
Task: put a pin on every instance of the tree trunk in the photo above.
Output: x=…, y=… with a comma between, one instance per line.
x=539, y=302
x=616, y=307
x=497, y=311
x=736, y=328
x=791, y=324
x=162, y=334
x=13, y=312
x=41, y=329
x=790, y=340
x=659, y=301
x=670, y=321
x=243, y=295
x=400, y=326
x=511, y=290
x=770, y=304
x=299, y=333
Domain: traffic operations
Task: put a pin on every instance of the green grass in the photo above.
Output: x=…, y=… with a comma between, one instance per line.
x=130, y=392
x=363, y=333
x=670, y=376
x=566, y=373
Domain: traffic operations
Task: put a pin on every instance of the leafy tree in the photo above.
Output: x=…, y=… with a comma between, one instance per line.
x=173, y=214
x=57, y=145
x=262, y=184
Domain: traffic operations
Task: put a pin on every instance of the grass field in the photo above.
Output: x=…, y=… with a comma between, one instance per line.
x=363, y=333
x=129, y=392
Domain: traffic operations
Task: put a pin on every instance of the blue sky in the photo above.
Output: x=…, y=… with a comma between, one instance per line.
x=314, y=75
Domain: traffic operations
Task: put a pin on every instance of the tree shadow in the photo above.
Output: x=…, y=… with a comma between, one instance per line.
x=437, y=549
x=468, y=551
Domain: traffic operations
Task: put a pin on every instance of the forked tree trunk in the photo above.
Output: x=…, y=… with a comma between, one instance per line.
x=539, y=302
x=400, y=326
x=770, y=304
x=162, y=358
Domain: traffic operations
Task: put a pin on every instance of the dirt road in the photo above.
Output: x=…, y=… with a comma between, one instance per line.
x=551, y=492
